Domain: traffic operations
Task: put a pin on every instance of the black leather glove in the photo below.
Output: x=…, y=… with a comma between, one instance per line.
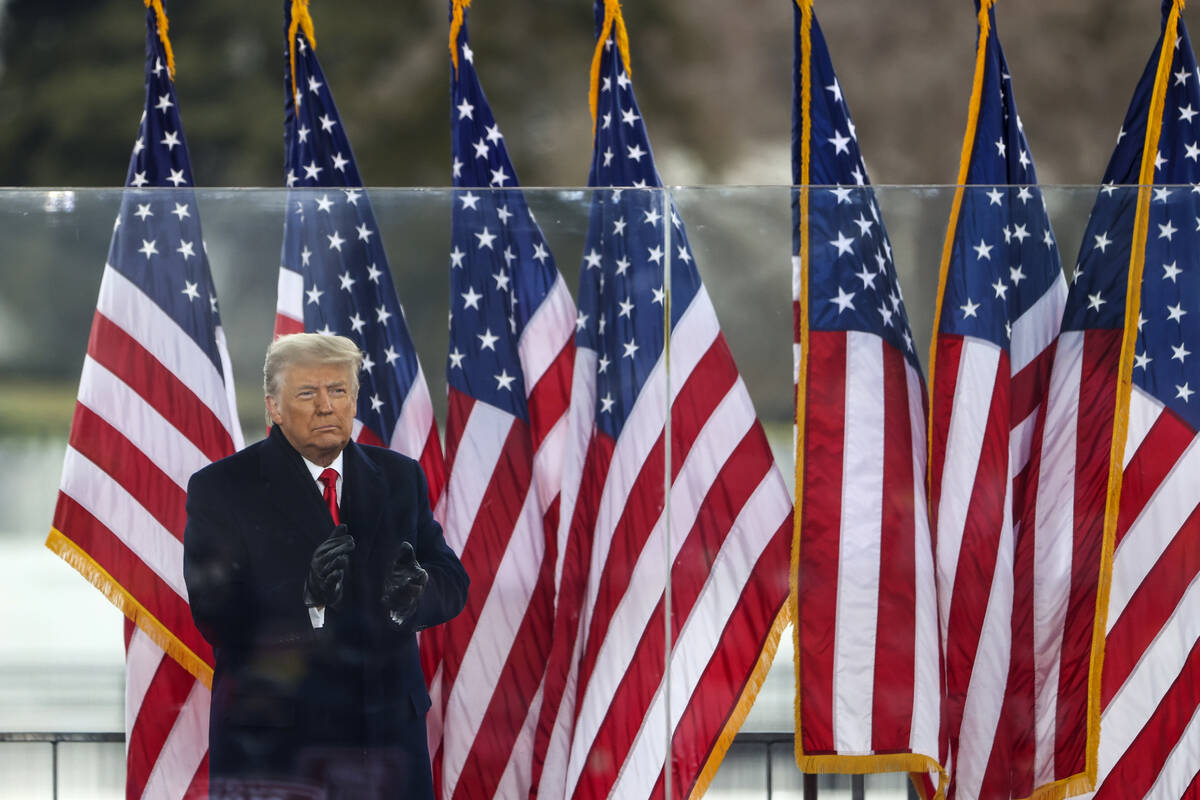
x=327, y=570
x=403, y=585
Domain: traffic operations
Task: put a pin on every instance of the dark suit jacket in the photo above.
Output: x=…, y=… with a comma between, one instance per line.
x=286, y=697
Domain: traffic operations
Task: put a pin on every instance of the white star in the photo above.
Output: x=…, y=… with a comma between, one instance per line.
x=504, y=214
x=335, y=241
x=622, y=265
x=631, y=348
x=628, y=117
x=481, y=148
x=176, y=177
x=1000, y=147
x=1176, y=312
x=1167, y=231
x=969, y=309
x=1023, y=194
x=886, y=313
x=626, y=308
x=1047, y=238
x=619, y=226
x=1186, y=113
x=636, y=152
x=456, y=358
x=471, y=298
x=373, y=274
x=994, y=196
x=143, y=211
x=1181, y=352
x=844, y=300
x=652, y=216
x=1001, y=289
x=608, y=156
x=1159, y=160
x=841, y=144
x=312, y=170
x=836, y=88
x=1024, y=159
x=659, y=296
x=467, y=54
x=499, y=177
x=1193, y=151
x=607, y=120
x=540, y=254
x=501, y=280
x=185, y=250
x=842, y=243
x=469, y=200
x=139, y=145
x=1170, y=271
x=465, y=110
x=376, y=403
x=493, y=134
x=327, y=123
x=606, y=403
x=602, y=364
x=357, y=323
x=864, y=225
x=655, y=255
x=581, y=321
x=314, y=295
x=1102, y=241
x=1183, y=392
x=485, y=239
x=1019, y=233
x=171, y=140
x=1141, y=360
x=364, y=233
x=346, y=281
x=291, y=178
x=190, y=290
x=382, y=315
x=842, y=194
x=390, y=355
x=1182, y=76
x=339, y=162
x=457, y=167
x=1110, y=187
x=456, y=257
x=324, y=203
x=1095, y=301
x=305, y=254
x=623, y=80
x=867, y=277
x=684, y=255
x=314, y=84
x=181, y=211
x=148, y=248
x=983, y=250
x=1161, y=194
x=487, y=340
x=504, y=380
x=302, y=133
x=164, y=102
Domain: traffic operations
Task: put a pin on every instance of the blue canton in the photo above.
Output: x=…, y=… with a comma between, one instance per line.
x=500, y=266
x=1004, y=256
x=1165, y=362
x=157, y=243
x=852, y=280
x=633, y=233
x=332, y=239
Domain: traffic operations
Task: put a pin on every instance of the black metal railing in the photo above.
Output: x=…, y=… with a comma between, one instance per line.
x=768, y=742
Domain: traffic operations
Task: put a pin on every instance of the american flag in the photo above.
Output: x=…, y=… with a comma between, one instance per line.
x=1000, y=304
x=1122, y=490
x=334, y=276
x=868, y=692
x=608, y=700
x=155, y=404
x=511, y=353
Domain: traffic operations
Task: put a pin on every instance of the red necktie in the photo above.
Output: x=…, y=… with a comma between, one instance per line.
x=329, y=479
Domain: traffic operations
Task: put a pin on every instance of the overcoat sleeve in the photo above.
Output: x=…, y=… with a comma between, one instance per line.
x=216, y=566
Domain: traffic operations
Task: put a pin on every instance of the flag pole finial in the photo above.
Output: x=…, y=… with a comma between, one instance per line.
x=612, y=21
x=161, y=15
x=457, y=9
x=300, y=20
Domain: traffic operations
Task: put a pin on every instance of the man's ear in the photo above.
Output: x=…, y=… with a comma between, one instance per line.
x=273, y=410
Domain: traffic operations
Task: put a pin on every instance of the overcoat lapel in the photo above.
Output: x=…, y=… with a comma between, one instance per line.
x=290, y=487
x=363, y=497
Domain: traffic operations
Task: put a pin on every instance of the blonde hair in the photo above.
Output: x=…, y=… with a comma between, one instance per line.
x=309, y=349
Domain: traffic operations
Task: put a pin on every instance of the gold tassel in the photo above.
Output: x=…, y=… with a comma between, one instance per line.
x=612, y=19
x=456, y=23
x=161, y=15
x=300, y=19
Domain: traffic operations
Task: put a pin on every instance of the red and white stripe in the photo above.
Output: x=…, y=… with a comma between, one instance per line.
x=609, y=699
x=987, y=402
x=152, y=409
x=1068, y=516
x=867, y=635
x=1150, y=691
x=500, y=511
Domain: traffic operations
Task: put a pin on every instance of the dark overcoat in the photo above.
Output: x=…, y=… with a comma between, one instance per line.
x=340, y=708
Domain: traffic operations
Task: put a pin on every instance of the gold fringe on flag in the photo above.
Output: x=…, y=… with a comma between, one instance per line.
x=612, y=19
x=300, y=19
x=456, y=23
x=161, y=17
x=73, y=554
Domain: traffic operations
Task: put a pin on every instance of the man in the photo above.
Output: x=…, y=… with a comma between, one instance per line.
x=311, y=561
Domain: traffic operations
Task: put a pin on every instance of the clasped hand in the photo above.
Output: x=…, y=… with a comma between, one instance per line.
x=327, y=570
x=403, y=585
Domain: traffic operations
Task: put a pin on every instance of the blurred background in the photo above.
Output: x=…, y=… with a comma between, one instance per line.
x=714, y=83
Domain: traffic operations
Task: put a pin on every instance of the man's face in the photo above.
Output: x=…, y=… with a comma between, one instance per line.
x=315, y=410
